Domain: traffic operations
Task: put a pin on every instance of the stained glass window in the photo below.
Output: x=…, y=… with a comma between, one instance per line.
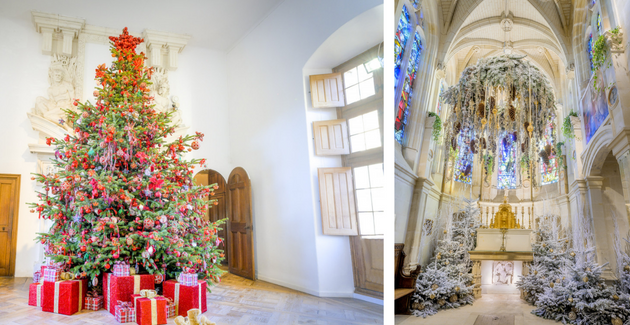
x=599, y=23
x=400, y=40
x=406, y=93
x=415, y=3
x=464, y=161
x=506, y=178
x=549, y=171
x=590, y=50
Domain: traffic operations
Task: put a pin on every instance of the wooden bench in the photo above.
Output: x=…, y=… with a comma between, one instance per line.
x=404, y=285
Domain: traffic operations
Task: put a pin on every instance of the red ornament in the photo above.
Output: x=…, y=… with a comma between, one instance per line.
x=194, y=145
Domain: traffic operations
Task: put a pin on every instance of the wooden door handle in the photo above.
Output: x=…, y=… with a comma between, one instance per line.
x=248, y=227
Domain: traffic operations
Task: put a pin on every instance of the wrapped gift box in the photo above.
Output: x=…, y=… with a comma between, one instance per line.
x=121, y=269
x=186, y=297
x=120, y=288
x=125, y=312
x=94, y=302
x=188, y=279
x=37, y=276
x=52, y=274
x=64, y=297
x=35, y=294
x=170, y=308
x=150, y=311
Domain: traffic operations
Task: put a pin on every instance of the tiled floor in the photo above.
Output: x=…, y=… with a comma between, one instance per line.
x=489, y=304
x=235, y=301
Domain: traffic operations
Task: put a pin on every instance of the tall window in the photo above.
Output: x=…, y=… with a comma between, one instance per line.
x=590, y=50
x=599, y=23
x=405, y=95
x=364, y=132
x=368, y=184
x=400, y=41
x=506, y=178
x=358, y=83
x=464, y=161
x=549, y=171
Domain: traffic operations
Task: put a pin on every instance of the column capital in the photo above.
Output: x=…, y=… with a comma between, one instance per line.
x=620, y=145
x=594, y=182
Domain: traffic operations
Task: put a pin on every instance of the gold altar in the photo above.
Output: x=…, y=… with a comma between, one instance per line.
x=505, y=218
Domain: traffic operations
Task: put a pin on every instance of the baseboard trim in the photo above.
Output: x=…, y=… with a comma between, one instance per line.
x=321, y=294
x=368, y=299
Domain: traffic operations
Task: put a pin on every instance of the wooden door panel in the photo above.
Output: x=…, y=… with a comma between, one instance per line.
x=367, y=264
x=219, y=211
x=9, y=199
x=240, y=224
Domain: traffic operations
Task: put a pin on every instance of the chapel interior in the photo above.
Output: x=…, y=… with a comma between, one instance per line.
x=442, y=164
x=246, y=74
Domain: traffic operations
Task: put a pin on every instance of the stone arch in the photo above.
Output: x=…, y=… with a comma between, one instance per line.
x=596, y=152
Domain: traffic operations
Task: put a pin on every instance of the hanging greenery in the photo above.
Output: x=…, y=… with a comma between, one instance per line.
x=567, y=126
x=600, y=51
x=559, y=156
x=437, y=126
x=499, y=96
x=525, y=163
x=488, y=164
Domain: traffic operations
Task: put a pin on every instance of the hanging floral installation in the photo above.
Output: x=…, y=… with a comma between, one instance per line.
x=503, y=99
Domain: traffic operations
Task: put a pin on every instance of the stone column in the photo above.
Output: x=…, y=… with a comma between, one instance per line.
x=424, y=163
x=597, y=217
x=621, y=149
x=413, y=239
x=476, y=271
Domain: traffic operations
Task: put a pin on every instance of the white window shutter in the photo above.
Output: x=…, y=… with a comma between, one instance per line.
x=331, y=137
x=336, y=195
x=327, y=90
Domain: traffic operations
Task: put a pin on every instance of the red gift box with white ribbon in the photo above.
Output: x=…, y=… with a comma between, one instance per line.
x=35, y=294
x=64, y=297
x=121, y=288
x=186, y=297
x=151, y=309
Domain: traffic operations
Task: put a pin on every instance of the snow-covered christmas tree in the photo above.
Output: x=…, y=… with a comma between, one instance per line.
x=549, y=258
x=581, y=296
x=121, y=193
x=446, y=281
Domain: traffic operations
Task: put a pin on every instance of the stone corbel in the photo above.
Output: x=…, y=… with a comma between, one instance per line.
x=49, y=24
x=440, y=71
x=615, y=41
x=161, y=43
x=570, y=70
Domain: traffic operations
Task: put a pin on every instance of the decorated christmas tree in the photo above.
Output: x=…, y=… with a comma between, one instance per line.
x=549, y=258
x=446, y=282
x=121, y=193
x=581, y=296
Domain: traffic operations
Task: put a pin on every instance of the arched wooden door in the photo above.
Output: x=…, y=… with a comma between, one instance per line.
x=240, y=226
x=219, y=211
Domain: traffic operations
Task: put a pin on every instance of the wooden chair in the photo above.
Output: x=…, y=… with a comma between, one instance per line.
x=404, y=285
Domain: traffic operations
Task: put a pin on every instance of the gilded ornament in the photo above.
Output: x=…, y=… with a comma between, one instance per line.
x=456, y=289
x=615, y=297
x=453, y=298
x=494, y=111
x=585, y=279
x=446, y=263
x=626, y=268
x=484, y=121
x=570, y=299
x=530, y=129
x=441, y=302
x=432, y=296
x=551, y=250
x=573, y=254
x=551, y=284
x=616, y=321
x=572, y=315
x=434, y=286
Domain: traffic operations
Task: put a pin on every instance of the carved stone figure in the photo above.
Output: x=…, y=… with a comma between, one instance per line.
x=61, y=91
x=160, y=91
x=502, y=272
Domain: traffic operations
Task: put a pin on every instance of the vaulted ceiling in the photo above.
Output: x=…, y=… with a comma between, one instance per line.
x=540, y=29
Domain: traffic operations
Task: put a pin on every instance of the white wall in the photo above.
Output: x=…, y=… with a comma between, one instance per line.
x=200, y=83
x=268, y=125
